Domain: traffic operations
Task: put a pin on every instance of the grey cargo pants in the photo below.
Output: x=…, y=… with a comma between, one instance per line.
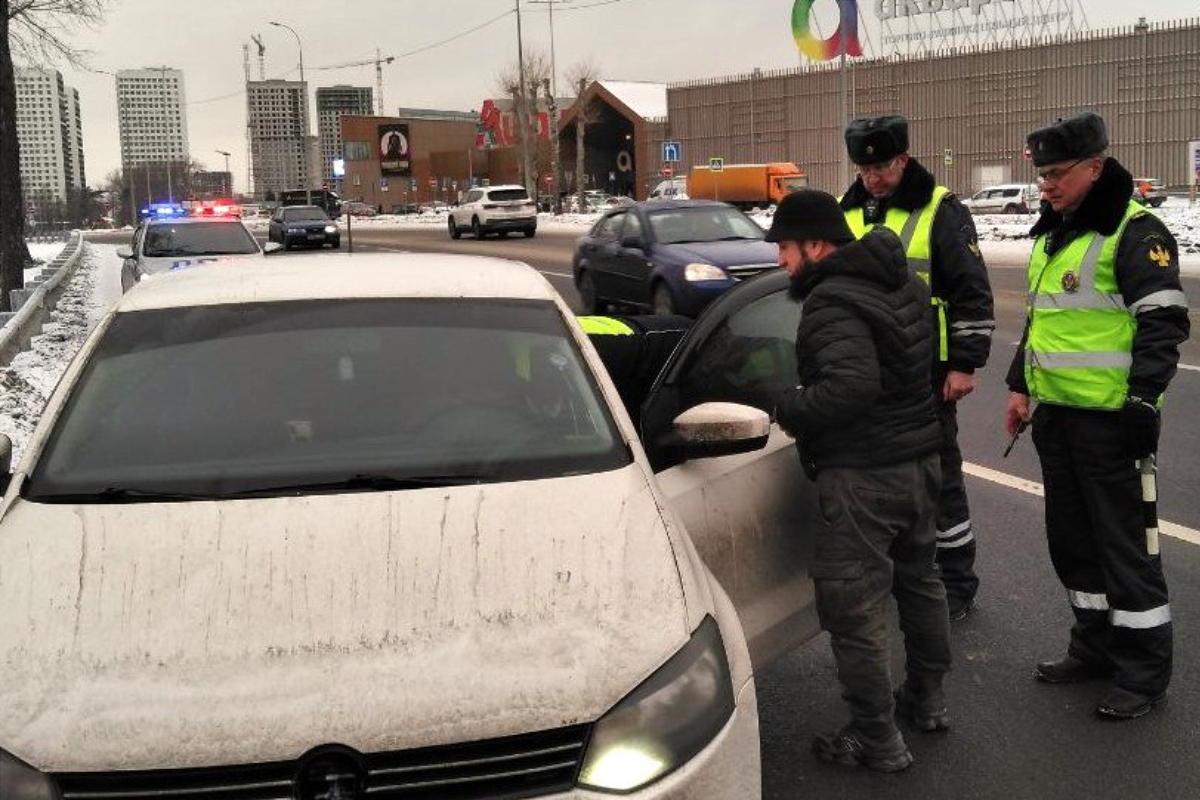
x=879, y=537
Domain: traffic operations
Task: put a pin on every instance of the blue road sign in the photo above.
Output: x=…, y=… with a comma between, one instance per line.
x=672, y=151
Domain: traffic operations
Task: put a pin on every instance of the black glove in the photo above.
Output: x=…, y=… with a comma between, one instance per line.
x=1139, y=427
x=783, y=410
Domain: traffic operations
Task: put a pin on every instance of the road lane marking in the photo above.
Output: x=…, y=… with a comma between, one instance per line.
x=1189, y=366
x=1033, y=487
x=556, y=274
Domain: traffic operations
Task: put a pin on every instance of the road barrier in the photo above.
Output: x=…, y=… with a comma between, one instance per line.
x=36, y=300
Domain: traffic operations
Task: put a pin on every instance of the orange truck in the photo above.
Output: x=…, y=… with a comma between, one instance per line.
x=746, y=185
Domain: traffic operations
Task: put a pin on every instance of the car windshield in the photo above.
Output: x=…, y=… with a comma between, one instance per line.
x=302, y=397
x=795, y=184
x=702, y=224
x=501, y=195
x=303, y=214
x=197, y=239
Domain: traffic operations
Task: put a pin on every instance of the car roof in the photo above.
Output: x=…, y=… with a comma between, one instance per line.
x=192, y=220
x=321, y=276
x=502, y=186
x=659, y=205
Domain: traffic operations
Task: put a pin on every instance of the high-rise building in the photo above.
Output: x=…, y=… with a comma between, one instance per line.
x=49, y=136
x=280, y=149
x=151, y=116
x=334, y=102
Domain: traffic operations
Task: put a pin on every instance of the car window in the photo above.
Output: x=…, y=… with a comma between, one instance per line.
x=1011, y=192
x=198, y=238
x=633, y=226
x=238, y=398
x=501, y=195
x=473, y=195
x=702, y=224
x=750, y=358
x=979, y=195
x=303, y=214
x=610, y=226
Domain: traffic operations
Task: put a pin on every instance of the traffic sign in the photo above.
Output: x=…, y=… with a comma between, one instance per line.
x=948, y=157
x=716, y=164
x=672, y=151
x=667, y=172
x=432, y=182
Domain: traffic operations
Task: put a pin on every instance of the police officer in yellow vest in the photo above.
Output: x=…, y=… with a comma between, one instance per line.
x=938, y=234
x=1106, y=316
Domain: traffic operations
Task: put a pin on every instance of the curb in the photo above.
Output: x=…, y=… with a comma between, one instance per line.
x=36, y=300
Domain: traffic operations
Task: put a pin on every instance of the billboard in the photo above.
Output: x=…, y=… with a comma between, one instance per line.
x=394, y=150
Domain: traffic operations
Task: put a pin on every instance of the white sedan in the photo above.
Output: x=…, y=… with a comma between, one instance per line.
x=162, y=245
x=302, y=531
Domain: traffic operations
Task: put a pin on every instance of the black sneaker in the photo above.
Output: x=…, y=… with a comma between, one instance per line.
x=846, y=748
x=926, y=711
x=1069, y=669
x=1126, y=704
x=960, y=607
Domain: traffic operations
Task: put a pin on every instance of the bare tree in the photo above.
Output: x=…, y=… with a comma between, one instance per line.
x=36, y=32
x=537, y=69
x=586, y=113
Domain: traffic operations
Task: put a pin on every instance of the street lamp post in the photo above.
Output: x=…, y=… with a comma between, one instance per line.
x=228, y=176
x=553, y=89
x=162, y=71
x=304, y=141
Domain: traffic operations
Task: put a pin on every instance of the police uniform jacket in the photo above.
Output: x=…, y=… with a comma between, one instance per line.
x=863, y=354
x=1147, y=266
x=957, y=273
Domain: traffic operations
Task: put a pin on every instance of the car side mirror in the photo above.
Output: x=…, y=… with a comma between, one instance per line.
x=5, y=461
x=125, y=253
x=271, y=247
x=718, y=429
x=632, y=243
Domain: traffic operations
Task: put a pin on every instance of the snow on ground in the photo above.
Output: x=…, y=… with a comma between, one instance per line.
x=27, y=382
x=42, y=253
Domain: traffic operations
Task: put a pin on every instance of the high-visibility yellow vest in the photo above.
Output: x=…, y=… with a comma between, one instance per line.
x=915, y=230
x=594, y=325
x=1080, y=342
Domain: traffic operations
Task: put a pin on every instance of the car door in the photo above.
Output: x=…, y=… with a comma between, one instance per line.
x=275, y=227
x=599, y=250
x=631, y=264
x=752, y=516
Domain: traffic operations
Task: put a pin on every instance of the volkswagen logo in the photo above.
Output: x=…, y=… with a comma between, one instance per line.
x=333, y=772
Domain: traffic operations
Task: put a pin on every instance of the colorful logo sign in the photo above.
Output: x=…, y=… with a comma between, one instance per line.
x=846, y=34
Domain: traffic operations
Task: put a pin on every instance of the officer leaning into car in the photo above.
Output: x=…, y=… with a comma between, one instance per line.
x=865, y=423
x=1106, y=316
x=634, y=348
x=894, y=190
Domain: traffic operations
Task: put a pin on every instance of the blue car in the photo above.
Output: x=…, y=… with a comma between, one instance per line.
x=668, y=256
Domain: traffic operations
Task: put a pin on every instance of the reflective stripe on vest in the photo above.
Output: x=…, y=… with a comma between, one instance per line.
x=1079, y=348
x=605, y=326
x=915, y=230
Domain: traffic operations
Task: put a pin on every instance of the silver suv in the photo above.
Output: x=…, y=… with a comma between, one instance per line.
x=1008, y=198
x=494, y=209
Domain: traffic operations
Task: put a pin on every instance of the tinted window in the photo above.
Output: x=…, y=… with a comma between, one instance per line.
x=633, y=226
x=501, y=195
x=702, y=224
x=255, y=397
x=1011, y=192
x=303, y=214
x=610, y=226
x=750, y=358
x=197, y=238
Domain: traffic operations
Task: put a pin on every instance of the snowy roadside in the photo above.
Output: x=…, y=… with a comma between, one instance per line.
x=27, y=382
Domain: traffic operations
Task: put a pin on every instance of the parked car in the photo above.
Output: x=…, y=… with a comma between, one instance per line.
x=303, y=226
x=247, y=551
x=356, y=209
x=668, y=256
x=670, y=189
x=494, y=209
x=1149, y=191
x=170, y=244
x=1009, y=198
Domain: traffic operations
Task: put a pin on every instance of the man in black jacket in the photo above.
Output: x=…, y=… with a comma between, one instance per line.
x=864, y=420
x=895, y=191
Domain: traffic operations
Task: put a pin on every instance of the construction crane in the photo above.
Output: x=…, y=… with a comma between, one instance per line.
x=378, y=61
x=262, y=56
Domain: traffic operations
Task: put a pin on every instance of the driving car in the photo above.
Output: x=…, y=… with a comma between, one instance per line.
x=493, y=209
x=245, y=554
x=307, y=226
x=1149, y=191
x=668, y=256
x=357, y=209
x=166, y=244
x=1008, y=198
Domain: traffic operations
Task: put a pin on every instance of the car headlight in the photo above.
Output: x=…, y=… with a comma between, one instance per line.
x=666, y=720
x=704, y=272
x=331, y=229
x=23, y=782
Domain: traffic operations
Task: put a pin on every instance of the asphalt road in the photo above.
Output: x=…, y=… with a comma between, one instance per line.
x=1012, y=738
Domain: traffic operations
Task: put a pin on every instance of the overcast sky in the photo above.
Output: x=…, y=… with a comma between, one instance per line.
x=647, y=40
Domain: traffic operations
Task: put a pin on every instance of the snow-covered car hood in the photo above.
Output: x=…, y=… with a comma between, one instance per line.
x=201, y=633
x=721, y=254
x=154, y=266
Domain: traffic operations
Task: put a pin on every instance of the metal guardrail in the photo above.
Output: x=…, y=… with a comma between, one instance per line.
x=37, y=299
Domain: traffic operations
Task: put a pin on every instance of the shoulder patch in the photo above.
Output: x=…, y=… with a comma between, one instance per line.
x=1160, y=255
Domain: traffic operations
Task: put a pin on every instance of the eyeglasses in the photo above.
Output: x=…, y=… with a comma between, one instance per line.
x=1058, y=173
x=877, y=169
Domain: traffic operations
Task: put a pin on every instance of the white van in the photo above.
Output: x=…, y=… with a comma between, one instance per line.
x=670, y=189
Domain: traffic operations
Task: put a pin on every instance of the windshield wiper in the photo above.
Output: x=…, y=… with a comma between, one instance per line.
x=369, y=483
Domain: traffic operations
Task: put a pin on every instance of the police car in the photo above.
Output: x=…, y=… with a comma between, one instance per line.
x=167, y=241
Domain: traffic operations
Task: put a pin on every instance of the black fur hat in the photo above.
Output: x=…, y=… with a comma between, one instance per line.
x=874, y=140
x=1079, y=136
